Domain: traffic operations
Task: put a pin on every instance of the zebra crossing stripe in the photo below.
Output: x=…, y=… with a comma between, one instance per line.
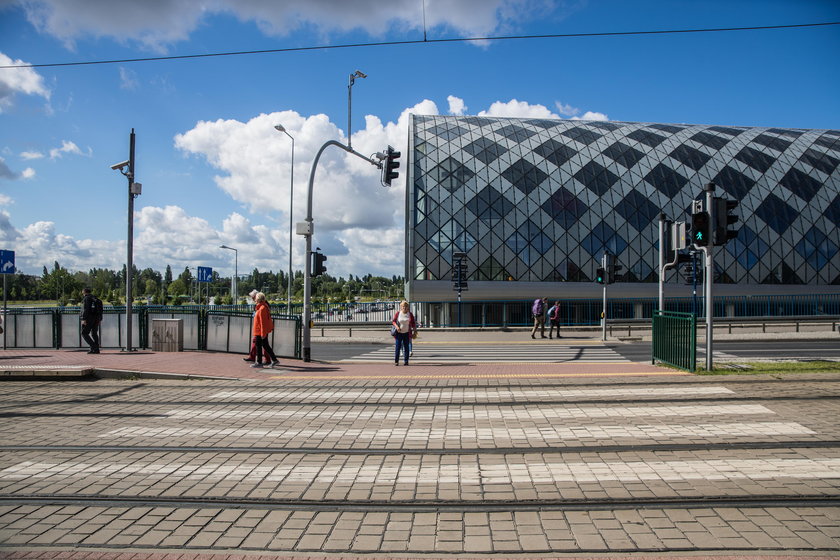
x=515, y=470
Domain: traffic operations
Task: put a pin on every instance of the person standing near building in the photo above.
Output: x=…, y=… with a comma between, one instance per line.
x=91, y=316
x=252, y=354
x=263, y=326
x=538, y=311
x=406, y=329
x=553, y=317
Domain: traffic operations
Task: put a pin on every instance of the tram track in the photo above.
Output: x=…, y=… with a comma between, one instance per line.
x=333, y=451
x=394, y=506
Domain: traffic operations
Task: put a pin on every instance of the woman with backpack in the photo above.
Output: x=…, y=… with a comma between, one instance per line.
x=404, y=328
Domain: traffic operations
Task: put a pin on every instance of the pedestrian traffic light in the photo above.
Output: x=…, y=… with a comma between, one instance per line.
x=318, y=260
x=389, y=172
x=600, y=275
x=612, y=269
x=700, y=228
x=723, y=219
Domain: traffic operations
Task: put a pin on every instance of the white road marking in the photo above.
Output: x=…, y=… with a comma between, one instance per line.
x=426, y=436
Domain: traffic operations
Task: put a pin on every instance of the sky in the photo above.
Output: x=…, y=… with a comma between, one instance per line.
x=215, y=171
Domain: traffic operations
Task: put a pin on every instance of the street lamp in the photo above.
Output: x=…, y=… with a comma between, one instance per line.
x=282, y=129
x=234, y=287
x=134, y=190
x=353, y=76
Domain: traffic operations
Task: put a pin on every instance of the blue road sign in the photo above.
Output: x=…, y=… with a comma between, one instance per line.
x=7, y=262
x=205, y=274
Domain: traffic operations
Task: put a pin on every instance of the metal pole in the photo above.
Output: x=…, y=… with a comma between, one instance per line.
x=291, y=234
x=307, y=275
x=235, y=276
x=710, y=265
x=350, y=109
x=662, y=261
x=5, y=311
x=129, y=267
x=604, y=308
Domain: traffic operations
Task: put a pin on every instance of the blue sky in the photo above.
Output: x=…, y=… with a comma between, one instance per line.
x=214, y=170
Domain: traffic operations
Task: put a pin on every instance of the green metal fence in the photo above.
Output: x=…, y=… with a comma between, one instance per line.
x=675, y=339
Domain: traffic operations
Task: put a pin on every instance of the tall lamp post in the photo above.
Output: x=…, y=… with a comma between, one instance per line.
x=353, y=76
x=234, y=288
x=134, y=190
x=282, y=129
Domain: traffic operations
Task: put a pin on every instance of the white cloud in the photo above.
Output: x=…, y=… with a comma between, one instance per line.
x=19, y=80
x=5, y=200
x=519, y=109
x=31, y=155
x=591, y=116
x=128, y=78
x=456, y=105
x=68, y=147
x=565, y=109
x=170, y=21
x=27, y=173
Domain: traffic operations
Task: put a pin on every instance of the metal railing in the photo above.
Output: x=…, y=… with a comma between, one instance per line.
x=675, y=339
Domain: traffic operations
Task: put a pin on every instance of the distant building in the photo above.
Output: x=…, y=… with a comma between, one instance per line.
x=534, y=203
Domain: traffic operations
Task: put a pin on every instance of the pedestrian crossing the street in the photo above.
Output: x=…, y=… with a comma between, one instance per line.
x=437, y=353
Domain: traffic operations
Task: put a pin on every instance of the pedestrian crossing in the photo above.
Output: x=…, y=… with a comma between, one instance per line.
x=438, y=353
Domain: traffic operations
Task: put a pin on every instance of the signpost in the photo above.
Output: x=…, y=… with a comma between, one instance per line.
x=203, y=274
x=7, y=266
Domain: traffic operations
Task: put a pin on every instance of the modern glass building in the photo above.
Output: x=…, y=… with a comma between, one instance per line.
x=534, y=203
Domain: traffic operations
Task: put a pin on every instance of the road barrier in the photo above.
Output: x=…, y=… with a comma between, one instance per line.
x=675, y=339
x=204, y=328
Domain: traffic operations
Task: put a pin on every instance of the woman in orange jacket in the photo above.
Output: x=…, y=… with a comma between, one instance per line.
x=263, y=325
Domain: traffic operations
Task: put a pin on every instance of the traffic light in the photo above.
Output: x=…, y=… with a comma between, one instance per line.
x=700, y=229
x=612, y=269
x=389, y=172
x=724, y=219
x=318, y=260
x=600, y=275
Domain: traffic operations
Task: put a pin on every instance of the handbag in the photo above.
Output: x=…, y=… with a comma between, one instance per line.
x=393, y=330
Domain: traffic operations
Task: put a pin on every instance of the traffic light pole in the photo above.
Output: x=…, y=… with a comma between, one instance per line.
x=709, y=280
x=604, y=263
x=307, y=276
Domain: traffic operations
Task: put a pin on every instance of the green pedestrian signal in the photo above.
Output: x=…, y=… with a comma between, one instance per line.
x=600, y=275
x=700, y=228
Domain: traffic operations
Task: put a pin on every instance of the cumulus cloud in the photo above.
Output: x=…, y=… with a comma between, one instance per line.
x=174, y=20
x=565, y=109
x=19, y=80
x=31, y=155
x=520, y=109
x=456, y=105
x=5, y=200
x=68, y=147
x=27, y=173
x=592, y=116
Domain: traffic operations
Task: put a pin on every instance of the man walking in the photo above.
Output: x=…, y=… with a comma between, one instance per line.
x=91, y=317
x=538, y=311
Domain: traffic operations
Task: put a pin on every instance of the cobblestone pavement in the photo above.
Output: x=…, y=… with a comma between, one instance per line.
x=433, y=461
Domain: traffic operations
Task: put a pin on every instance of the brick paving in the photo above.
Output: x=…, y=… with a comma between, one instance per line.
x=344, y=460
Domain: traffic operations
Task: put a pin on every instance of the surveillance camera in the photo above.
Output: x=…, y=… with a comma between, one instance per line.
x=119, y=165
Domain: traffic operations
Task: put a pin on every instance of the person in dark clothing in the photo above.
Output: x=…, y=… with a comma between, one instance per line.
x=91, y=317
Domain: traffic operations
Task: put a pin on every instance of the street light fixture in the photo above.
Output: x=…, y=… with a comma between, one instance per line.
x=353, y=76
x=134, y=190
x=235, y=286
x=282, y=129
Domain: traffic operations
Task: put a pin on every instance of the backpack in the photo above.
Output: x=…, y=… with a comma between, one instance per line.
x=537, y=308
x=97, y=308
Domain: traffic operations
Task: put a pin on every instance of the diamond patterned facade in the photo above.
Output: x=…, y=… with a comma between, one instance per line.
x=540, y=200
